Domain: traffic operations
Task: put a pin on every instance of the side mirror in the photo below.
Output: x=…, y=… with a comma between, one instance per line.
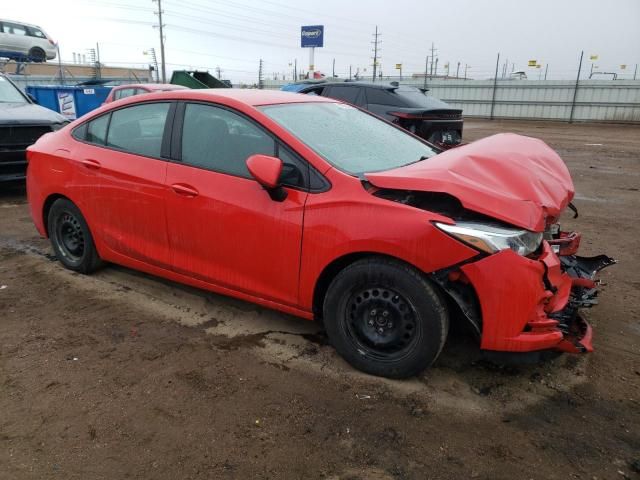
x=267, y=170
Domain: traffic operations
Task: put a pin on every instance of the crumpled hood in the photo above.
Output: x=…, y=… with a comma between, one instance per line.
x=516, y=179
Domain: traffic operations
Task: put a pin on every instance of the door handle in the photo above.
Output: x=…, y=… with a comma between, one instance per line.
x=184, y=190
x=89, y=163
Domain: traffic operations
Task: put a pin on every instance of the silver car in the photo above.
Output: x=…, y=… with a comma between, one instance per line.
x=22, y=41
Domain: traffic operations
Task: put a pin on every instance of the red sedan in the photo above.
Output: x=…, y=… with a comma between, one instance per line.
x=318, y=209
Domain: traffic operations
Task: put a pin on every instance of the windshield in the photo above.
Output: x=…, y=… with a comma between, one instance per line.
x=349, y=139
x=9, y=93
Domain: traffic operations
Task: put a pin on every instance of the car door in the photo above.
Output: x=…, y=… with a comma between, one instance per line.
x=223, y=226
x=128, y=203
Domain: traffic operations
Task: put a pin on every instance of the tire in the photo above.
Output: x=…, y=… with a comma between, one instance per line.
x=71, y=239
x=37, y=55
x=385, y=318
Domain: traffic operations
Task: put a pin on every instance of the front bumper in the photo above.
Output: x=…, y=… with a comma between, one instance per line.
x=530, y=304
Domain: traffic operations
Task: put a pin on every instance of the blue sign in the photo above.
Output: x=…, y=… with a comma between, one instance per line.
x=312, y=36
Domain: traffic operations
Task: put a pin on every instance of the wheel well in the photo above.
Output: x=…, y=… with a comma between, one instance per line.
x=335, y=267
x=47, y=208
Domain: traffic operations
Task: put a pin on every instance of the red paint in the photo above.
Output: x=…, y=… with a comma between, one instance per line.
x=225, y=234
x=265, y=169
x=509, y=177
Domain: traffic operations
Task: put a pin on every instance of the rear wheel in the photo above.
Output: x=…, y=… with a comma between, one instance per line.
x=37, y=55
x=71, y=239
x=385, y=318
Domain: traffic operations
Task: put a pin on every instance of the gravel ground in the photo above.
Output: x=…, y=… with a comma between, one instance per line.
x=122, y=375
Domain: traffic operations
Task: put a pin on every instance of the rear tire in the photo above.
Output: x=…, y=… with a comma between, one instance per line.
x=71, y=239
x=385, y=318
x=37, y=55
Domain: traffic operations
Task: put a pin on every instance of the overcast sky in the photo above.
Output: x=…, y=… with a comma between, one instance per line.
x=235, y=34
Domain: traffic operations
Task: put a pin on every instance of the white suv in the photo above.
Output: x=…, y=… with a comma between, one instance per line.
x=21, y=41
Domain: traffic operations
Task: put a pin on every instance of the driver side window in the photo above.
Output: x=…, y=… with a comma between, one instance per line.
x=220, y=140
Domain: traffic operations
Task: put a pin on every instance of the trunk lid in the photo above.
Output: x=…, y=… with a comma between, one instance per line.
x=516, y=179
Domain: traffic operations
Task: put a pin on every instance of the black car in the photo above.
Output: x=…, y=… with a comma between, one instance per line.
x=22, y=122
x=408, y=106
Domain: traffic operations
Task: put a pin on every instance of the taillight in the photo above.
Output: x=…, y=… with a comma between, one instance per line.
x=411, y=116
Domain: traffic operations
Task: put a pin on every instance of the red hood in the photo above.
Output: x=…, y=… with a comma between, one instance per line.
x=519, y=180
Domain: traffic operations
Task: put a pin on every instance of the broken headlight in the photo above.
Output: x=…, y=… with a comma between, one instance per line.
x=493, y=238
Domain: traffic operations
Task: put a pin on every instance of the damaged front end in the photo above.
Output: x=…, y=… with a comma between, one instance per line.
x=528, y=303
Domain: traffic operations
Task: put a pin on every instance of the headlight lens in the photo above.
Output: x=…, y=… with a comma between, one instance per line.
x=492, y=238
x=57, y=126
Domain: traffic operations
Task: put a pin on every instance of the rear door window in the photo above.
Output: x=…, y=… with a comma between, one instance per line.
x=347, y=94
x=379, y=96
x=14, y=28
x=97, y=130
x=138, y=129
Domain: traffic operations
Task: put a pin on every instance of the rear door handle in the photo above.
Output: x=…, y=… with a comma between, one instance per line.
x=89, y=163
x=184, y=190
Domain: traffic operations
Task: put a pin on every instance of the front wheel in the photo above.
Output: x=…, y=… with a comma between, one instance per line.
x=385, y=318
x=71, y=239
x=37, y=55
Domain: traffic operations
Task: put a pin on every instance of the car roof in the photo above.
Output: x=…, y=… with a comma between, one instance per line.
x=20, y=23
x=151, y=86
x=248, y=96
x=350, y=83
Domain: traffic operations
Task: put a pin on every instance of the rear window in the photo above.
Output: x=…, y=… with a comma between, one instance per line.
x=414, y=97
x=379, y=96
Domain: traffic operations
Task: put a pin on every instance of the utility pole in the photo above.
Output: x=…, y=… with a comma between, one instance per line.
x=465, y=70
x=333, y=69
x=98, y=64
x=219, y=72
x=260, y=82
x=635, y=72
x=349, y=72
x=426, y=70
x=495, y=86
x=433, y=53
x=458, y=71
x=376, y=42
x=575, y=90
x=161, y=29
x=295, y=70
x=436, y=70
x=546, y=69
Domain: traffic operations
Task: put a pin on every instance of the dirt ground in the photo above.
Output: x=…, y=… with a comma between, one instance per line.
x=122, y=375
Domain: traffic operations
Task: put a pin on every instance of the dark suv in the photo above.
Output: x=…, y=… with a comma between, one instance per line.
x=22, y=122
x=408, y=106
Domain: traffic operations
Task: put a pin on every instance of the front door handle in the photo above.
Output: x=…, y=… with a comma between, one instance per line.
x=184, y=190
x=93, y=164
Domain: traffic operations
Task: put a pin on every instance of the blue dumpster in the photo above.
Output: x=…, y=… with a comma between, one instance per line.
x=71, y=102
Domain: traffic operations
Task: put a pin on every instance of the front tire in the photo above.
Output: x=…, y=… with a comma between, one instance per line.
x=71, y=239
x=385, y=318
x=37, y=55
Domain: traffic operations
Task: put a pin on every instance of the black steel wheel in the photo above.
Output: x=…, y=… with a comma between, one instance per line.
x=70, y=237
x=385, y=318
